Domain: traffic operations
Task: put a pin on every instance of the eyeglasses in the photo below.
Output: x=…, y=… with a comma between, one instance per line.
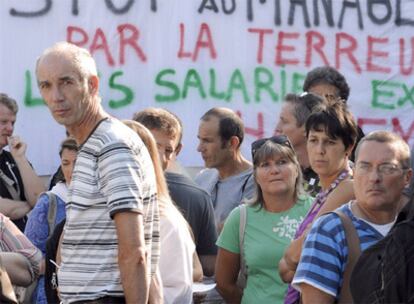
x=280, y=139
x=384, y=169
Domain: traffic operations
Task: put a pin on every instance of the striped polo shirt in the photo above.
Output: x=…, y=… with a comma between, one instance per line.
x=325, y=251
x=113, y=173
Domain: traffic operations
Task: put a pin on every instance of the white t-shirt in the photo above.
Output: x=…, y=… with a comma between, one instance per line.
x=176, y=260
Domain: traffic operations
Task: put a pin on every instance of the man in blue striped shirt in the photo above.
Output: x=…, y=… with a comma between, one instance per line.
x=379, y=179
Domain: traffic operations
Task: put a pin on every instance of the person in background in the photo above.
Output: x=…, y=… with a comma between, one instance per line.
x=113, y=193
x=37, y=228
x=228, y=176
x=19, y=184
x=194, y=203
x=177, y=246
x=272, y=219
x=293, y=115
x=20, y=258
x=327, y=81
x=331, y=132
x=379, y=179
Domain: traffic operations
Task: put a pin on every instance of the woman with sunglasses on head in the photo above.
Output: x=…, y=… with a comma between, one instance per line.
x=331, y=132
x=271, y=220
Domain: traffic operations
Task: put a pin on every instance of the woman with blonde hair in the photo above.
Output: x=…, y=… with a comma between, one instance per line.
x=177, y=246
x=271, y=221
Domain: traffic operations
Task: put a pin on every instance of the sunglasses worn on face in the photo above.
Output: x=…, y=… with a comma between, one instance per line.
x=280, y=139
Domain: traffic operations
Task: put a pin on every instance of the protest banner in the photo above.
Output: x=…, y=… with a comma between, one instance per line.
x=190, y=56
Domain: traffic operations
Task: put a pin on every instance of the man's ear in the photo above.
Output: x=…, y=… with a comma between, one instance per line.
x=178, y=149
x=234, y=142
x=349, y=150
x=93, y=84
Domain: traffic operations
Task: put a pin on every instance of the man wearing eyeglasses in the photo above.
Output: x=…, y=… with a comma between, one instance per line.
x=381, y=173
x=229, y=176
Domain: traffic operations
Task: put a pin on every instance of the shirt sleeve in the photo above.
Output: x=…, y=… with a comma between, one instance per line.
x=229, y=236
x=250, y=188
x=37, y=226
x=208, y=236
x=15, y=241
x=121, y=178
x=322, y=262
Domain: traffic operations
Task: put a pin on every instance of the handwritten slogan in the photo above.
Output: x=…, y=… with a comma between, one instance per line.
x=188, y=56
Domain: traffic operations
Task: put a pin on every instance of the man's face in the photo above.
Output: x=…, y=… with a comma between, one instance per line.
x=376, y=191
x=166, y=147
x=324, y=89
x=65, y=93
x=288, y=125
x=7, y=120
x=210, y=144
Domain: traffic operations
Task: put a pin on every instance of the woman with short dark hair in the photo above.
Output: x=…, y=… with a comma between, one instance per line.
x=331, y=133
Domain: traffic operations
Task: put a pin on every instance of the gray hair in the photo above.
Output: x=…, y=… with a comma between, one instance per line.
x=9, y=103
x=388, y=137
x=81, y=58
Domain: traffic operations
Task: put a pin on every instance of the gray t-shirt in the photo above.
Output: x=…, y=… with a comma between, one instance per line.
x=228, y=193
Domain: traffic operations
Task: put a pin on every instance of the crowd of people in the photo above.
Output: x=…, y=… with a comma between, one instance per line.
x=123, y=223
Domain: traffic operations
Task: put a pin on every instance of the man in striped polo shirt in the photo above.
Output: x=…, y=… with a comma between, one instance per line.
x=382, y=170
x=110, y=246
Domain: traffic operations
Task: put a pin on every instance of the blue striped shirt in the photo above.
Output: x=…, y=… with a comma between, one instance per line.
x=325, y=251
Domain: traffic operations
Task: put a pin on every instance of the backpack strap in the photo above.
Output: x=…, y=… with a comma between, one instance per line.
x=354, y=251
x=242, y=228
x=51, y=213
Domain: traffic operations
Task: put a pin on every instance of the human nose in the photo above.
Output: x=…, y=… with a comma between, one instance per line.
x=274, y=168
x=320, y=148
x=374, y=174
x=56, y=94
x=9, y=127
x=199, y=147
x=278, y=129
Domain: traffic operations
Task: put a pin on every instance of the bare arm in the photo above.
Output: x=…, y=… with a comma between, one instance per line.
x=312, y=295
x=341, y=195
x=14, y=209
x=208, y=262
x=227, y=270
x=132, y=256
x=17, y=267
x=156, y=294
x=197, y=269
x=33, y=185
x=289, y=262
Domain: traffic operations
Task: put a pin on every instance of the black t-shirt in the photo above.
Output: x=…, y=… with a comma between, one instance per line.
x=196, y=207
x=10, y=169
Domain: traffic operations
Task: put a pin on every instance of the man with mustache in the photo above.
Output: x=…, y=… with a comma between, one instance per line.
x=110, y=245
x=382, y=170
x=19, y=184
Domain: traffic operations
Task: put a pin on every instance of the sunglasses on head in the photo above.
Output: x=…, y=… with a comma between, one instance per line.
x=279, y=139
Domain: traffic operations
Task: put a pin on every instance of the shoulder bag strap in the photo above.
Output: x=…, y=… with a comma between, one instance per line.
x=51, y=213
x=354, y=251
x=242, y=228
